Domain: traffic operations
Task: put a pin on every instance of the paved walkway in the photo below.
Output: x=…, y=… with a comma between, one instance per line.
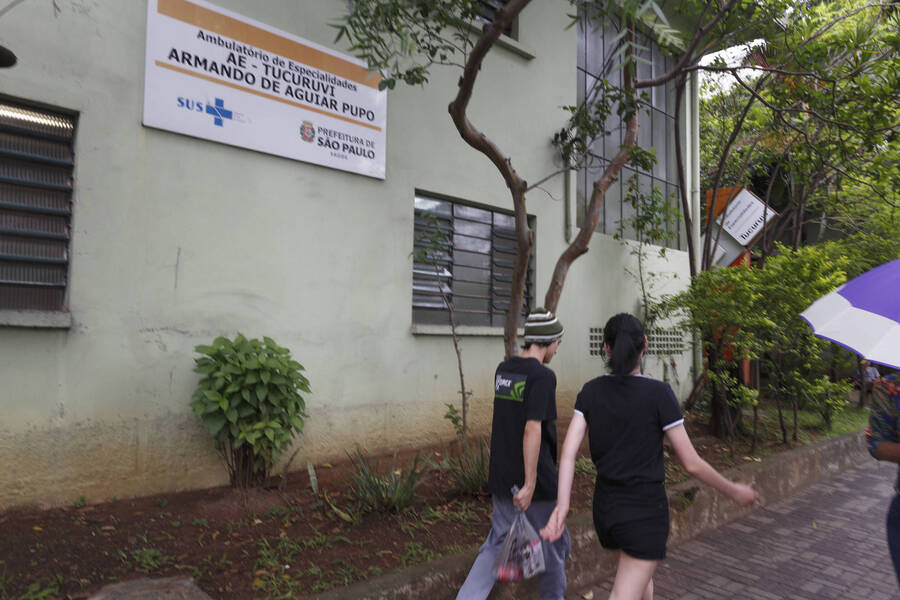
x=826, y=542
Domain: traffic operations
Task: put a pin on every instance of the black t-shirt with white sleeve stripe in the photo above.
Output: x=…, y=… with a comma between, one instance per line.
x=627, y=417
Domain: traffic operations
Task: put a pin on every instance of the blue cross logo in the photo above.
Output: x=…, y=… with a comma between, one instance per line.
x=218, y=111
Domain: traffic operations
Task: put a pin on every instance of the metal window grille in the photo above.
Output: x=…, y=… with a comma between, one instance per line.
x=599, y=58
x=665, y=341
x=595, y=341
x=470, y=263
x=36, y=160
x=487, y=10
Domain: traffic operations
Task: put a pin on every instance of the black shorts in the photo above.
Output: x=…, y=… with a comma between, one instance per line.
x=634, y=520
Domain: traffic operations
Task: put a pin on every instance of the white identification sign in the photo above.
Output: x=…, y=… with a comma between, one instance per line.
x=745, y=216
x=216, y=75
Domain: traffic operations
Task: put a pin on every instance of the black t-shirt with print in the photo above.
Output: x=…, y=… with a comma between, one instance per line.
x=627, y=417
x=524, y=390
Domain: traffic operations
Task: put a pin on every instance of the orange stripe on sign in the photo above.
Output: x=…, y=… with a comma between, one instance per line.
x=211, y=20
x=265, y=95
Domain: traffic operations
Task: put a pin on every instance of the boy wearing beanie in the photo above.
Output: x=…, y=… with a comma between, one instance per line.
x=523, y=454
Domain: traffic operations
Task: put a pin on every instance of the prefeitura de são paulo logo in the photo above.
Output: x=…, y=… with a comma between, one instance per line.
x=307, y=131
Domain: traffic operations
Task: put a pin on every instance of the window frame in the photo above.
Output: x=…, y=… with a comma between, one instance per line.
x=657, y=124
x=500, y=259
x=37, y=169
x=489, y=8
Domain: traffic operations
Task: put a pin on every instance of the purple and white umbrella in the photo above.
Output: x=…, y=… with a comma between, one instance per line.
x=863, y=315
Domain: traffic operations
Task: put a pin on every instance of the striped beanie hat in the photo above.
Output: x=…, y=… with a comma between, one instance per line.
x=542, y=326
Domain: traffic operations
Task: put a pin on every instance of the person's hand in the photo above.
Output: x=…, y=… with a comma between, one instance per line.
x=744, y=495
x=522, y=498
x=555, y=525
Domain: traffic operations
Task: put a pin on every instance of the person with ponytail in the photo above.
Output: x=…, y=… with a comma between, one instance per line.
x=626, y=416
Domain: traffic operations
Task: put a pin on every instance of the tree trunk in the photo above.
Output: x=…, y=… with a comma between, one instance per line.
x=679, y=166
x=794, y=406
x=477, y=140
x=580, y=244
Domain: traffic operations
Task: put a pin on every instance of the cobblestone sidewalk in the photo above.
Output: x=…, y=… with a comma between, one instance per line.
x=826, y=542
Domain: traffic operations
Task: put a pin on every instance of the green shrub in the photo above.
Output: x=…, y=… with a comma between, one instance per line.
x=249, y=400
x=584, y=466
x=824, y=396
x=150, y=559
x=391, y=491
x=469, y=471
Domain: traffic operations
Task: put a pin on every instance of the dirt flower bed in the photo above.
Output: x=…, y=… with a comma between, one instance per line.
x=275, y=543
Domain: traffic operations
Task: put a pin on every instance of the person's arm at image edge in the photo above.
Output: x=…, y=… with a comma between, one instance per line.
x=889, y=451
x=531, y=447
x=881, y=434
x=742, y=494
x=574, y=435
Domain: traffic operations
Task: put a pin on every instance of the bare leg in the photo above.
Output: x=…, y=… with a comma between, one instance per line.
x=634, y=579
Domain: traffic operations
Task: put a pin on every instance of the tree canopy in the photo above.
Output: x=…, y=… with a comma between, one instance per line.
x=811, y=122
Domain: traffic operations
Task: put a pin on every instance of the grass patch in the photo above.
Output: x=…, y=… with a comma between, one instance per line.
x=849, y=420
x=469, y=470
x=417, y=553
x=150, y=559
x=391, y=491
x=584, y=466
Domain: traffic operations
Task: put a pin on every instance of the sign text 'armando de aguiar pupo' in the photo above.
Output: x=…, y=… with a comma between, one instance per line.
x=216, y=75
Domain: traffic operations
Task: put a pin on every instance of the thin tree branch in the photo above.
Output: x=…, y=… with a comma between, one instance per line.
x=688, y=56
x=547, y=178
x=679, y=166
x=777, y=70
x=720, y=169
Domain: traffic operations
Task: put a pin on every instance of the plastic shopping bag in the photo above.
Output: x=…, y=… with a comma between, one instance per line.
x=521, y=556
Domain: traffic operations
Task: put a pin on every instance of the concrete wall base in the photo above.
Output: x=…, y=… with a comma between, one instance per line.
x=694, y=509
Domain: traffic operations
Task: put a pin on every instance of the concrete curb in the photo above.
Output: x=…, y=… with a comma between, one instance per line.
x=694, y=509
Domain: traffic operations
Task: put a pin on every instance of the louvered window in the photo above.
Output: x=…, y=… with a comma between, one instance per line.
x=36, y=162
x=487, y=10
x=470, y=264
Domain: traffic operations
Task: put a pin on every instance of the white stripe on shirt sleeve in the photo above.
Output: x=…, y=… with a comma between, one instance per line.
x=578, y=411
x=673, y=424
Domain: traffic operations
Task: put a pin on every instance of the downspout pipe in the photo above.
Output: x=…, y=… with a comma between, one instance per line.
x=569, y=189
x=692, y=124
x=697, y=215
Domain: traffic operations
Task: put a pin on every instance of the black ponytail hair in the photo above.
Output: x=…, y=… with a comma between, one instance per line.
x=624, y=334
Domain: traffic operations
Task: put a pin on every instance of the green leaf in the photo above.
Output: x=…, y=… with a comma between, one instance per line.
x=214, y=423
x=232, y=369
